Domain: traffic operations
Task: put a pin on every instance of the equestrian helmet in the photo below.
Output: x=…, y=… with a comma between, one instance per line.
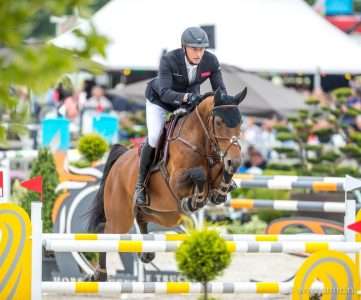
x=194, y=37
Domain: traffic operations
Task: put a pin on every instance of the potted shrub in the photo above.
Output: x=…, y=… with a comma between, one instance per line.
x=92, y=147
x=203, y=256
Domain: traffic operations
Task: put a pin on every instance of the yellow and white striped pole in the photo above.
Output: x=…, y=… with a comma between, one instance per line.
x=165, y=246
x=170, y=287
x=181, y=237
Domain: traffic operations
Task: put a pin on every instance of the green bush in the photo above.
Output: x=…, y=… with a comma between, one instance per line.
x=356, y=138
x=203, y=256
x=81, y=164
x=341, y=94
x=323, y=168
x=269, y=215
x=281, y=128
x=291, y=119
x=351, y=150
x=312, y=101
x=280, y=166
x=43, y=166
x=303, y=114
x=353, y=112
x=301, y=125
x=330, y=156
x=285, y=136
x=255, y=226
x=92, y=146
x=342, y=171
x=313, y=147
x=284, y=150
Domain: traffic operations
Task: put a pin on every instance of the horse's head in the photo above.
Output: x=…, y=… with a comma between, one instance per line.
x=224, y=126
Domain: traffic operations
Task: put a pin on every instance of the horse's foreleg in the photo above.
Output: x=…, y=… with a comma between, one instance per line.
x=145, y=257
x=199, y=181
x=194, y=179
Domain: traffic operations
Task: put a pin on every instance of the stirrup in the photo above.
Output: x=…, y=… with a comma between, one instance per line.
x=146, y=199
x=142, y=204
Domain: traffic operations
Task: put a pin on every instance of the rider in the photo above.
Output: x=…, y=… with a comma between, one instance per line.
x=180, y=75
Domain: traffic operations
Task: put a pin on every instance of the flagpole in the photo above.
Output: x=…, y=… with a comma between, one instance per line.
x=350, y=211
x=350, y=218
x=35, y=184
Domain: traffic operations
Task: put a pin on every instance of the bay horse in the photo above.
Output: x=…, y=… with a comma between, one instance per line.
x=202, y=153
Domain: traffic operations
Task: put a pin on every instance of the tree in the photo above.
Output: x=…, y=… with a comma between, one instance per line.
x=44, y=28
x=325, y=122
x=36, y=64
x=311, y=2
x=44, y=166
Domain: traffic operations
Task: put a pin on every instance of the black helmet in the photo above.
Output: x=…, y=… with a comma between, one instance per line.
x=195, y=37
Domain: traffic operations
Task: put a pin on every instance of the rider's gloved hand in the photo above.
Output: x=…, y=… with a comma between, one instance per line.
x=193, y=99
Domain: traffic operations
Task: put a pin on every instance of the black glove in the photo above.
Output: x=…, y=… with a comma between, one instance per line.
x=193, y=99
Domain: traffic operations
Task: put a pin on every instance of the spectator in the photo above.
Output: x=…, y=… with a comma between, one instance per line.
x=252, y=132
x=268, y=137
x=355, y=100
x=98, y=101
x=256, y=162
x=88, y=86
x=357, y=123
x=70, y=108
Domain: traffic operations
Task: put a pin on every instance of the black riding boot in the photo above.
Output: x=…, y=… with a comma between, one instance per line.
x=146, y=159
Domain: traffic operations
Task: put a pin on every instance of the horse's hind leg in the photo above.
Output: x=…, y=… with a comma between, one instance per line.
x=145, y=257
x=101, y=270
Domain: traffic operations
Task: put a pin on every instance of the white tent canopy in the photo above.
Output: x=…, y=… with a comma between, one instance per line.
x=255, y=35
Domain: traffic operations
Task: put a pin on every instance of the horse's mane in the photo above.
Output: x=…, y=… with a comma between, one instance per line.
x=204, y=96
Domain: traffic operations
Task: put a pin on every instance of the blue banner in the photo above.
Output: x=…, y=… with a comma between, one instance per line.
x=338, y=7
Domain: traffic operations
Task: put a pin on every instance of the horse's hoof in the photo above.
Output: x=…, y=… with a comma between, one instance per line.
x=147, y=257
x=218, y=200
x=97, y=276
x=89, y=278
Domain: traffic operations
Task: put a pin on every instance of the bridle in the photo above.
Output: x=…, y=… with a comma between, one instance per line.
x=213, y=137
x=213, y=153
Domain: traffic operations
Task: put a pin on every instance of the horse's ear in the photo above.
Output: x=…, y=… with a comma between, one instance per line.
x=218, y=97
x=240, y=96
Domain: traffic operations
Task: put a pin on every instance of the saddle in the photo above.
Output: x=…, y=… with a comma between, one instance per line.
x=161, y=151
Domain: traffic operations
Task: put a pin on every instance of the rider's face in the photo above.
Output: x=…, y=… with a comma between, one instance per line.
x=194, y=55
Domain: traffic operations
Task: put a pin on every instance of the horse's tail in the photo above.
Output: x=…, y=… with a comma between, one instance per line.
x=96, y=213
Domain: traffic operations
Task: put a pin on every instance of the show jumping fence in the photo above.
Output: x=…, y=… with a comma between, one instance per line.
x=24, y=241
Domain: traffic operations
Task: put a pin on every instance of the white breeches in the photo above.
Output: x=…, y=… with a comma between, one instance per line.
x=155, y=116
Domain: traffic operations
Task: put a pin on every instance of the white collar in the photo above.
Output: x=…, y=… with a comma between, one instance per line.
x=188, y=64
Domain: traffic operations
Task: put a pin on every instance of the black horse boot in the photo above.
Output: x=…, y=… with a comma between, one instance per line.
x=146, y=159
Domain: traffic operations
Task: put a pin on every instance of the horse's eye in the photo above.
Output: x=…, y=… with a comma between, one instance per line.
x=218, y=121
